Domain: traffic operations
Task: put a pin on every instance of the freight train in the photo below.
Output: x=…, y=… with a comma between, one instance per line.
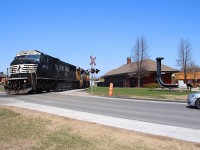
x=34, y=71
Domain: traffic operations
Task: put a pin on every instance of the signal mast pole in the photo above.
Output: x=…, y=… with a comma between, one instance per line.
x=93, y=58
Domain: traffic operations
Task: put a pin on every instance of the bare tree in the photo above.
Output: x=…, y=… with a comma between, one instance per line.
x=184, y=56
x=193, y=68
x=140, y=53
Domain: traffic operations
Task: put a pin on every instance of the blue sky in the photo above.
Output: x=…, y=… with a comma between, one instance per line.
x=72, y=30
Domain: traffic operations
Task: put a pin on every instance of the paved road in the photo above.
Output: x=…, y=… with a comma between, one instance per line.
x=167, y=113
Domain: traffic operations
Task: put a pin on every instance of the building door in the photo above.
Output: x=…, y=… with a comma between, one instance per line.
x=132, y=82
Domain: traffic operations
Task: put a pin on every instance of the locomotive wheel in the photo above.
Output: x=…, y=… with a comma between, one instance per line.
x=38, y=91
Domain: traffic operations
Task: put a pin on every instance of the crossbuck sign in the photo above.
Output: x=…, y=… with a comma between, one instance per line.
x=92, y=60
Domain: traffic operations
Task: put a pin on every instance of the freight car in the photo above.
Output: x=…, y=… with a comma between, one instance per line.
x=34, y=71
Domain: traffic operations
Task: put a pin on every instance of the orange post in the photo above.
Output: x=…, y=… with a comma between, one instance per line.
x=110, y=92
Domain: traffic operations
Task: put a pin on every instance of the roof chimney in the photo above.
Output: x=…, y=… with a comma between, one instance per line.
x=128, y=60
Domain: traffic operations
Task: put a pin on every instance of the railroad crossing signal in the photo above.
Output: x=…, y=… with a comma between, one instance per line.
x=92, y=71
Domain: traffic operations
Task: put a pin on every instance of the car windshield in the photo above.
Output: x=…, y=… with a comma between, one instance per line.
x=35, y=57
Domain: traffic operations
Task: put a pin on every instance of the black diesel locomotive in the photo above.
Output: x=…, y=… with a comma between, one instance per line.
x=34, y=71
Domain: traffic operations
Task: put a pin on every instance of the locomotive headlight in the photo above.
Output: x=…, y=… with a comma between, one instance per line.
x=24, y=81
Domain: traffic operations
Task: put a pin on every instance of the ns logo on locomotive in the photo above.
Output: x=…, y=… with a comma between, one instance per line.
x=34, y=71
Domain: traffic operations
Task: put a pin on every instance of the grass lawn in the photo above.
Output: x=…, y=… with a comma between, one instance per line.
x=1, y=89
x=173, y=94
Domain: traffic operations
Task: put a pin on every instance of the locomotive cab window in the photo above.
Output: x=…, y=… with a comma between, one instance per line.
x=44, y=59
x=33, y=57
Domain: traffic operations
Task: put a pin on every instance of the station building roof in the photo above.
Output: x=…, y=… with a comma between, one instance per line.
x=131, y=67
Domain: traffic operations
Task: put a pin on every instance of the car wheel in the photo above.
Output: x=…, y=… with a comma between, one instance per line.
x=197, y=104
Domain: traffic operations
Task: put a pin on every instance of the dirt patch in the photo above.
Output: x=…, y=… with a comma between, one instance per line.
x=106, y=137
x=176, y=97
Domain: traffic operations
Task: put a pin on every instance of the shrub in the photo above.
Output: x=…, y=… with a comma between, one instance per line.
x=151, y=85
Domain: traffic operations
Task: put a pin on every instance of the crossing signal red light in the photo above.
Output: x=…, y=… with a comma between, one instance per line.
x=97, y=70
x=92, y=70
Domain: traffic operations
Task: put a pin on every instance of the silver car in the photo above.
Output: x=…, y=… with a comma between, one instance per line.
x=194, y=100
